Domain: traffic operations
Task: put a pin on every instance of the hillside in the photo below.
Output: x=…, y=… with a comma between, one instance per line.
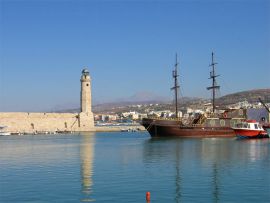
x=251, y=96
x=129, y=105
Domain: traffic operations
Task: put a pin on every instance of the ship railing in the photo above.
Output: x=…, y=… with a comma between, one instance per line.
x=227, y=114
x=197, y=125
x=162, y=118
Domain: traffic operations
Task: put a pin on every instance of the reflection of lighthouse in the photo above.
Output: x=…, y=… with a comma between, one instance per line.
x=87, y=159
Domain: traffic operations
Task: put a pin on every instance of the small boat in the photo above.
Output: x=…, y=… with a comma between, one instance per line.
x=250, y=129
x=4, y=132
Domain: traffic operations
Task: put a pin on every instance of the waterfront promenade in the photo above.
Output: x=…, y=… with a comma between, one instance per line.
x=119, y=128
x=97, y=128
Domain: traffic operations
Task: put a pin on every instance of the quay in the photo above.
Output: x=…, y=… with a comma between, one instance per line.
x=104, y=128
x=126, y=128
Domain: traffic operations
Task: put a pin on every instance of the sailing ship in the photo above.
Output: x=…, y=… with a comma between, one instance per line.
x=204, y=125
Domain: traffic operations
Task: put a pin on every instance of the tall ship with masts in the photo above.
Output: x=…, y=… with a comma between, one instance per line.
x=214, y=124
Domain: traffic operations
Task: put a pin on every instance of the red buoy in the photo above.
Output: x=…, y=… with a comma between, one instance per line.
x=148, y=196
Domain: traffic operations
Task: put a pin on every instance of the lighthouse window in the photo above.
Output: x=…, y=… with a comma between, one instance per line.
x=87, y=84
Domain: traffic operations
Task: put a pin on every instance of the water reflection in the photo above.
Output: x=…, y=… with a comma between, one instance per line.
x=87, y=152
x=215, y=183
x=166, y=150
x=71, y=168
x=204, y=164
x=257, y=148
x=178, y=175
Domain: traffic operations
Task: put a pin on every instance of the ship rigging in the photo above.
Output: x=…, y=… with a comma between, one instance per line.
x=176, y=86
x=202, y=126
x=214, y=83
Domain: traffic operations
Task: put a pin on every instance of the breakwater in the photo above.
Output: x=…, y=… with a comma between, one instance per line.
x=32, y=123
x=47, y=122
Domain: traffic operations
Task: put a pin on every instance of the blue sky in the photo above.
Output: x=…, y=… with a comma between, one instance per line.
x=129, y=47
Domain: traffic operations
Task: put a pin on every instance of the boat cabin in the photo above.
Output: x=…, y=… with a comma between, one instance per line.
x=249, y=124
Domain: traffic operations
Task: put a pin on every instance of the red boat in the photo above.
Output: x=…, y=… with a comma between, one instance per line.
x=250, y=129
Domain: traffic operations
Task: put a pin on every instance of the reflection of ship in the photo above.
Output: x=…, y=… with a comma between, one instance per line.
x=214, y=125
x=87, y=160
x=182, y=154
x=208, y=166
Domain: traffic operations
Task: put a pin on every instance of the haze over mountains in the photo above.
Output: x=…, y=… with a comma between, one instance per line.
x=137, y=97
x=148, y=98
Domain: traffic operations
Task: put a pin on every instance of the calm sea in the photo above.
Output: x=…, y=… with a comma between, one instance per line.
x=122, y=167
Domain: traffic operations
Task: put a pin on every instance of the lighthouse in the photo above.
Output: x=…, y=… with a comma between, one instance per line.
x=86, y=118
x=86, y=104
x=51, y=122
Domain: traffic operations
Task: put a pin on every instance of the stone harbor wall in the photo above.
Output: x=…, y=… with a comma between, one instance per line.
x=47, y=122
x=20, y=122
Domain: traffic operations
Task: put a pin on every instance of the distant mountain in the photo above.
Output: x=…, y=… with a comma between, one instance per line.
x=150, y=98
x=144, y=97
x=251, y=96
x=136, y=99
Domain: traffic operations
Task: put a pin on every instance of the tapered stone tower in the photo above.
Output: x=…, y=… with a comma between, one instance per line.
x=86, y=104
x=86, y=115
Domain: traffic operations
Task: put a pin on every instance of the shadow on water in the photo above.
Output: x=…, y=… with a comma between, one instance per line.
x=87, y=153
x=214, y=155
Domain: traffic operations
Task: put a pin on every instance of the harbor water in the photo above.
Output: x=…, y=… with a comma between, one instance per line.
x=123, y=166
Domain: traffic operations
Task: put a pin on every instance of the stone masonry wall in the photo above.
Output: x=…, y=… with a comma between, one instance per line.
x=41, y=122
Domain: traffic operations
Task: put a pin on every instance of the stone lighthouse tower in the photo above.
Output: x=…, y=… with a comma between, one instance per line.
x=86, y=115
x=86, y=104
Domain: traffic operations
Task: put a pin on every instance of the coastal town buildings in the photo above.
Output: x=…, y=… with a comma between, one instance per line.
x=254, y=111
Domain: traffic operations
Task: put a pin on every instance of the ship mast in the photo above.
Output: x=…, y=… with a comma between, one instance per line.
x=214, y=84
x=264, y=105
x=176, y=86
